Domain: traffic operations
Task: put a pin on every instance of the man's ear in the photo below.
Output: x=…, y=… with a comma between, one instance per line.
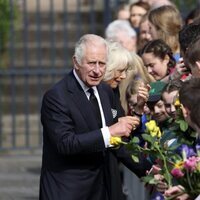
x=76, y=65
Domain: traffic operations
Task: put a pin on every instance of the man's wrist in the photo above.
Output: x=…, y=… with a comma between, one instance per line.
x=106, y=136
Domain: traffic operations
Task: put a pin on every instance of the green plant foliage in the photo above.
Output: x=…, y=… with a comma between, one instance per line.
x=8, y=16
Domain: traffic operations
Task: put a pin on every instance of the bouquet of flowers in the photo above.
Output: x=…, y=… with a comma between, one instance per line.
x=186, y=170
x=155, y=150
x=176, y=167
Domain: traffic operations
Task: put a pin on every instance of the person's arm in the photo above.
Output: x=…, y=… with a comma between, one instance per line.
x=68, y=132
x=179, y=70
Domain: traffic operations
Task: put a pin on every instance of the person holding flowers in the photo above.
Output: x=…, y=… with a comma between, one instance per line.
x=162, y=143
x=187, y=172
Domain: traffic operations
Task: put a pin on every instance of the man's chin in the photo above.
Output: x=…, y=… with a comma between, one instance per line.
x=94, y=82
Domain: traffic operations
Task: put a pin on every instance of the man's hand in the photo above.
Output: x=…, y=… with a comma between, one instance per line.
x=124, y=126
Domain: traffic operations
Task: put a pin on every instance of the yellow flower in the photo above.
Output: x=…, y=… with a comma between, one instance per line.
x=177, y=103
x=151, y=125
x=153, y=129
x=159, y=133
x=179, y=164
x=115, y=140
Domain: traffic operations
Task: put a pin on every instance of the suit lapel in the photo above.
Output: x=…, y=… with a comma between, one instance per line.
x=81, y=101
x=83, y=104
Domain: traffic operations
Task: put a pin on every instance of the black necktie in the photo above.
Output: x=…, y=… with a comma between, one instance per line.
x=95, y=106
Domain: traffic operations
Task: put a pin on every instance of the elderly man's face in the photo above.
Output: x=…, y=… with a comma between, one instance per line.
x=93, y=64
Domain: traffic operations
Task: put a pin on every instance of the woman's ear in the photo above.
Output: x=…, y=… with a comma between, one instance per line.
x=186, y=112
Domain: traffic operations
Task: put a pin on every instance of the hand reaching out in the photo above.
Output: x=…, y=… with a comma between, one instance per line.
x=124, y=126
x=142, y=97
x=180, y=70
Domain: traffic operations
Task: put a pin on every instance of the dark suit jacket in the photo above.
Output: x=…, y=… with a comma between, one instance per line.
x=75, y=164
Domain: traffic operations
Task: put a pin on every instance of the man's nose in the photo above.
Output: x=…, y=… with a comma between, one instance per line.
x=96, y=67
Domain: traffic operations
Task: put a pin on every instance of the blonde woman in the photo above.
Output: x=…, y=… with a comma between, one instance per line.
x=119, y=68
x=165, y=23
x=118, y=64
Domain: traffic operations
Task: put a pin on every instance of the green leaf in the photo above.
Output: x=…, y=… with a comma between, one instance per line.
x=135, y=158
x=183, y=125
x=149, y=179
x=148, y=138
x=135, y=140
x=173, y=147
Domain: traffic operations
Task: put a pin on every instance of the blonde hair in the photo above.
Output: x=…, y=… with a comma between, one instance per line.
x=118, y=59
x=168, y=22
x=136, y=71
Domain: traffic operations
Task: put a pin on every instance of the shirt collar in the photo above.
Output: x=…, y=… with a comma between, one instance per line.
x=82, y=84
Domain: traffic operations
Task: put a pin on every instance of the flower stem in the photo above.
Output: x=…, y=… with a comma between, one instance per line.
x=168, y=177
x=189, y=181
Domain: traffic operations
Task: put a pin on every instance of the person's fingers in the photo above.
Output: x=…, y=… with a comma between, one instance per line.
x=183, y=197
x=173, y=190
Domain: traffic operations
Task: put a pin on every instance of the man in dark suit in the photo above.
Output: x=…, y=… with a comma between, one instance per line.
x=78, y=159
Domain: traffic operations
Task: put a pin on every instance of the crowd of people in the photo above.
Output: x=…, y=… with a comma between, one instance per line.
x=148, y=57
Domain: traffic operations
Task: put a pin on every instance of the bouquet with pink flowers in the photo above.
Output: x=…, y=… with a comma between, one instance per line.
x=179, y=163
x=186, y=171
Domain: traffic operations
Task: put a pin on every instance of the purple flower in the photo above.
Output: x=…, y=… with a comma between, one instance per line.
x=188, y=151
x=197, y=147
x=177, y=173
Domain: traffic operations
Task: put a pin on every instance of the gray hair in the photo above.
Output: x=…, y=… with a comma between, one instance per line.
x=83, y=41
x=119, y=26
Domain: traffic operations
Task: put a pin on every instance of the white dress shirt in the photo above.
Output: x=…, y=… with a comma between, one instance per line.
x=104, y=129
